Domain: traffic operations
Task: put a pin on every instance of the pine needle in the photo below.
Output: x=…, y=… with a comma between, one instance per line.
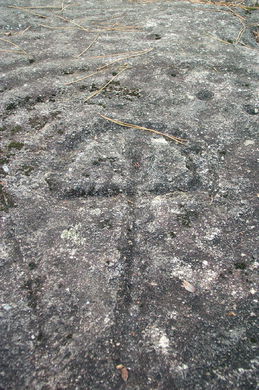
x=176, y=139
x=106, y=85
x=235, y=13
x=28, y=11
x=119, y=28
x=35, y=7
x=89, y=46
x=15, y=45
x=74, y=23
x=104, y=67
x=11, y=51
x=57, y=27
x=220, y=40
x=22, y=32
x=240, y=34
x=128, y=53
x=225, y=4
x=98, y=70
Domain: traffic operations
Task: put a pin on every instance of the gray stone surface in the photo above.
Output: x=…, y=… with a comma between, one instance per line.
x=103, y=225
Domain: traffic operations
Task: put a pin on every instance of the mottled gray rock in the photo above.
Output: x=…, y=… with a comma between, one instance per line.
x=120, y=246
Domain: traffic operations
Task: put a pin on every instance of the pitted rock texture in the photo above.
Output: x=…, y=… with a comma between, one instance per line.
x=120, y=246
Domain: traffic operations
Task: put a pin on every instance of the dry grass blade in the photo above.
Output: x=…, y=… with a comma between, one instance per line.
x=104, y=67
x=61, y=8
x=11, y=51
x=28, y=11
x=11, y=33
x=89, y=30
x=89, y=46
x=98, y=70
x=106, y=85
x=240, y=34
x=225, y=4
x=235, y=13
x=84, y=77
x=128, y=54
x=220, y=40
x=64, y=7
x=235, y=5
x=106, y=24
x=74, y=23
x=22, y=32
x=105, y=21
x=144, y=1
x=15, y=45
x=256, y=35
x=176, y=139
x=57, y=27
x=119, y=28
x=36, y=7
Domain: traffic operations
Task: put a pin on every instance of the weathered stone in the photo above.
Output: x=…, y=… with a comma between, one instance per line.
x=104, y=226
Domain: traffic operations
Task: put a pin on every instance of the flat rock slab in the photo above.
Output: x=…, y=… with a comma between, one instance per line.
x=128, y=260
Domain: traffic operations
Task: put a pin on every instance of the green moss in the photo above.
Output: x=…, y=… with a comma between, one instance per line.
x=240, y=266
x=187, y=218
x=16, y=129
x=115, y=82
x=252, y=8
x=10, y=106
x=37, y=122
x=93, y=87
x=4, y=160
x=115, y=88
x=132, y=92
x=32, y=266
x=16, y=145
x=26, y=169
x=5, y=200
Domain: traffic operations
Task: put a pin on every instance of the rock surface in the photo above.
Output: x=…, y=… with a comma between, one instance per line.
x=121, y=247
